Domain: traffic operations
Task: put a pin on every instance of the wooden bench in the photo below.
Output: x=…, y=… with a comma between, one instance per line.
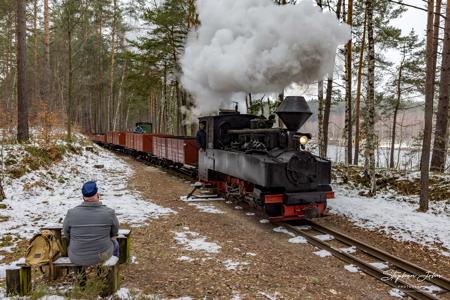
x=18, y=278
x=110, y=275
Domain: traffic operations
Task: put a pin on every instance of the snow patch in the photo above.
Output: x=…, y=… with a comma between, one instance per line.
x=396, y=293
x=380, y=265
x=45, y=195
x=322, y=253
x=193, y=241
x=264, y=221
x=395, y=217
x=250, y=214
x=232, y=265
x=124, y=294
x=207, y=208
x=349, y=250
x=351, y=268
x=273, y=296
x=281, y=229
x=236, y=296
x=185, y=258
x=298, y=240
x=432, y=289
x=324, y=237
x=303, y=227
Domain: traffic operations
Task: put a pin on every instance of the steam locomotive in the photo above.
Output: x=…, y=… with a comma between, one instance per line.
x=268, y=167
x=245, y=157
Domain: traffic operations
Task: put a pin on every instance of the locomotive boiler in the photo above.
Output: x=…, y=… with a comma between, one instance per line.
x=267, y=167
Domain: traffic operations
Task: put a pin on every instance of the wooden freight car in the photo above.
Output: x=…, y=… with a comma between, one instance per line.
x=118, y=138
x=182, y=150
x=129, y=140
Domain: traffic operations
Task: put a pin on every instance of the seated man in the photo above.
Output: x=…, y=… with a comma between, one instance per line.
x=91, y=229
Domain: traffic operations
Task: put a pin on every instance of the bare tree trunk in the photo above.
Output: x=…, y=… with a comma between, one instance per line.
x=429, y=88
x=370, y=107
x=69, y=88
x=111, y=69
x=401, y=141
x=396, y=108
x=438, y=159
x=348, y=88
x=22, y=101
x=35, y=55
x=101, y=112
x=358, y=92
x=320, y=117
x=321, y=107
x=327, y=108
x=47, y=72
x=119, y=98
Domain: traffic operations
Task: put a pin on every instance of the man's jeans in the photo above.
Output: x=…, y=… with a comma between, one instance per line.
x=116, y=248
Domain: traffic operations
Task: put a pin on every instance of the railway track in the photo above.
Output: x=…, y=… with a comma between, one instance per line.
x=389, y=275
x=396, y=272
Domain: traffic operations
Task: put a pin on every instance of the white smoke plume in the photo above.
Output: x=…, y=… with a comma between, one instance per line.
x=256, y=46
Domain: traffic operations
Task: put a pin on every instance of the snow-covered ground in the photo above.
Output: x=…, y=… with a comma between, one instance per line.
x=43, y=196
x=396, y=216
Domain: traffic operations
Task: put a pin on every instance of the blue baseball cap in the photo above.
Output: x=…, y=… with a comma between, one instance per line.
x=89, y=189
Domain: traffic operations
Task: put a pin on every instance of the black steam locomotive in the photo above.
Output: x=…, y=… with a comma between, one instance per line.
x=268, y=167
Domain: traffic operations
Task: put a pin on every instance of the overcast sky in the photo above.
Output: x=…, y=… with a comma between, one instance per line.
x=413, y=18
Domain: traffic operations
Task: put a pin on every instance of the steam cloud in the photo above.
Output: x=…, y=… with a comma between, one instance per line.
x=256, y=46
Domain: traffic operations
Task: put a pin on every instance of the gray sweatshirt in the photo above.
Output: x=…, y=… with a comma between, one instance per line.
x=89, y=228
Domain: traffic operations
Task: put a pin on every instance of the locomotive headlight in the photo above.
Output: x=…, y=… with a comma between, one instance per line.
x=304, y=140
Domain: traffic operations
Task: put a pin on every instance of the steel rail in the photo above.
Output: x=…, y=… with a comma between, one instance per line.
x=412, y=291
x=400, y=263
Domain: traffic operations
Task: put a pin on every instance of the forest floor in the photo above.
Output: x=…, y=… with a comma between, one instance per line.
x=219, y=251
x=180, y=250
x=247, y=259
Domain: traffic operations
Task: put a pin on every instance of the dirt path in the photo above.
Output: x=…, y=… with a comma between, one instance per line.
x=265, y=264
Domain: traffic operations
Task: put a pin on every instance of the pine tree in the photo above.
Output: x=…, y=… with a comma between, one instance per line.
x=429, y=95
x=441, y=134
x=22, y=100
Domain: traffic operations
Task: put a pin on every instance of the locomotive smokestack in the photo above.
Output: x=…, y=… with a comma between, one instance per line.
x=294, y=111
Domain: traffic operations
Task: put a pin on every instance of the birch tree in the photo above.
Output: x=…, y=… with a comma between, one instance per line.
x=370, y=99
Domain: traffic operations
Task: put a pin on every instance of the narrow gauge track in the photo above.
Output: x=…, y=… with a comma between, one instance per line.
x=395, y=263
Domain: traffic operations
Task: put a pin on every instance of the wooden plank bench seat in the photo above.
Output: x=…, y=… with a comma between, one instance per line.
x=19, y=281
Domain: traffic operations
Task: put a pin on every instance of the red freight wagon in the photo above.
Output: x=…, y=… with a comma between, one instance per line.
x=109, y=137
x=144, y=142
x=99, y=138
x=172, y=149
x=119, y=138
x=129, y=140
x=189, y=155
x=182, y=150
x=159, y=142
